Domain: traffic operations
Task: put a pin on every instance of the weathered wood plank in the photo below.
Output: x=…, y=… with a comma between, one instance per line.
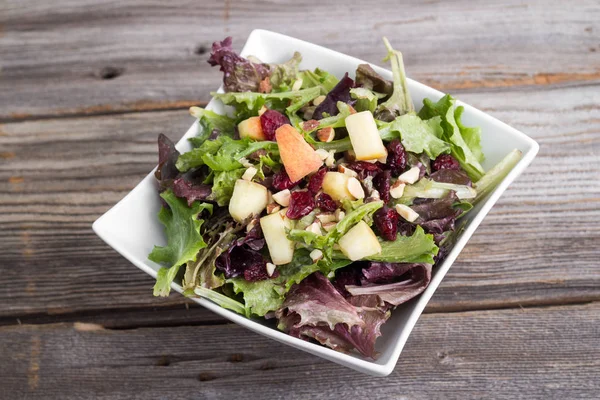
x=95, y=56
x=541, y=353
x=537, y=246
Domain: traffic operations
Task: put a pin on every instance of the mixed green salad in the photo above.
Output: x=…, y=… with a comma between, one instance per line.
x=317, y=201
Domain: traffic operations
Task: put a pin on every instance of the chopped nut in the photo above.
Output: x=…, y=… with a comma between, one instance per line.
x=297, y=84
x=262, y=110
x=314, y=228
x=316, y=255
x=251, y=225
x=326, y=217
x=318, y=100
x=339, y=214
x=326, y=134
x=269, y=197
x=355, y=188
x=406, y=212
x=249, y=174
x=350, y=156
x=273, y=208
x=375, y=195
x=244, y=161
x=330, y=161
x=329, y=226
x=410, y=176
x=310, y=125
x=322, y=153
x=307, y=112
x=283, y=197
x=397, y=189
x=265, y=85
x=271, y=268
x=347, y=171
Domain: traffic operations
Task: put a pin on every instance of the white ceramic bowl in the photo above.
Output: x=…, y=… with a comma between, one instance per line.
x=132, y=228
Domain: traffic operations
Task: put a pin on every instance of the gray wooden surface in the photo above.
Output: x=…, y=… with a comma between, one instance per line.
x=86, y=87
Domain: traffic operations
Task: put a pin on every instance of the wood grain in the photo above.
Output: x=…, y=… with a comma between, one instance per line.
x=538, y=246
x=505, y=354
x=94, y=57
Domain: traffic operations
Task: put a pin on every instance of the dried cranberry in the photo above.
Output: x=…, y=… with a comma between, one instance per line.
x=326, y=203
x=364, y=168
x=386, y=222
x=316, y=181
x=301, y=204
x=396, y=159
x=282, y=181
x=270, y=121
x=445, y=161
x=383, y=182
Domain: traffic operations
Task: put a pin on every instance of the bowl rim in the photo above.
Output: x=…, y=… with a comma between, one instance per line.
x=348, y=360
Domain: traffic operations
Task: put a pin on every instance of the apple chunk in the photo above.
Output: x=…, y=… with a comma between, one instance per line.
x=251, y=128
x=280, y=247
x=335, y=184
x=364, y=136
x=298, y=157
x=249, y=198
x=359, y=242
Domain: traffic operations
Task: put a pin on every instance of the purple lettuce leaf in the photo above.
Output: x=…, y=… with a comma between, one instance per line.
x=166, y=171
x=383, y=272
x=190, y=191
x=437, y=215
x=457, y=177
x=369, y=79
x=315, y=310
x=414, y=282
x=239, y=73
x=341, y=92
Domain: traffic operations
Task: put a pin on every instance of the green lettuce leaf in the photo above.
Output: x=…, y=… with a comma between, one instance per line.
x=468, y=160
x=417, y=136
x=318, y=78
x=208, y=122
x=184, y=239
x=366, y=100
x=223, y=183
x=400, y=101
x=247, y=104
x=259, y=297
x=430, y=189
x=496, y=174
x=286, y=73
x=471, y=135
x=418, y=248
x=220, y=299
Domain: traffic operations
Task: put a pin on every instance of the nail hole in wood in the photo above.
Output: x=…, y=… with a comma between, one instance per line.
x=163, y=362
x=267, y=366
x=236, y=358
x=206, y=376
x=110, y=73
x=200, y=50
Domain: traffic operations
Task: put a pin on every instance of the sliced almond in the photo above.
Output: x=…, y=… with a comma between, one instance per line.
x=355, y=188
x=322, y=153
x=271, y=268
x=339, y=214
x=273, y=208
x=297, y=85
x=410, y=176
x=249, y=174
x=262, y=110
x=330, y=160
x=310, y=125
x=397, y=189
x=329, y=226
x=326, y=217
x=282, y=198
x=352, y=110
x=347, y=171
x=314, y=228
x=326, y=134
x=316, y=255
x=406, y=212
x=318, y=100
x=375, y=195
x=244, y=161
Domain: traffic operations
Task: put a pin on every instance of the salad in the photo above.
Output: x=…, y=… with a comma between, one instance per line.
x=317, y=202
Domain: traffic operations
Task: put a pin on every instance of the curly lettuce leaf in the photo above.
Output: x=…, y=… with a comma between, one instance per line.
x=260, y=297
x=184, y=239
x=302, y=266
x=467, y=157
x=223, y=183
x=366, y=100
x=496, y=174
x=340, y=93
x=400, y=101
x=471, y=135
x=210, y=124
x=318, y=78
x=286, y=73
x=367, y=78
x=418, y=248
x=430, y=189
x=417, y=136
x=221, y=299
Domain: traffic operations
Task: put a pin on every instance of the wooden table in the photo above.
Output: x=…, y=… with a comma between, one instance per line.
x=86, y=87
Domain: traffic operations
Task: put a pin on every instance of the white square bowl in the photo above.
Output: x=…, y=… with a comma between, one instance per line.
x=132, y=228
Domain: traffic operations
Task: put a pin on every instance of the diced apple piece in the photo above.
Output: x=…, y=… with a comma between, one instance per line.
x=359, y=242
x=251, y=128
x=280, y=247
x=298, y=157
x=364, y=136
x=249, y=198
x=335, y=184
